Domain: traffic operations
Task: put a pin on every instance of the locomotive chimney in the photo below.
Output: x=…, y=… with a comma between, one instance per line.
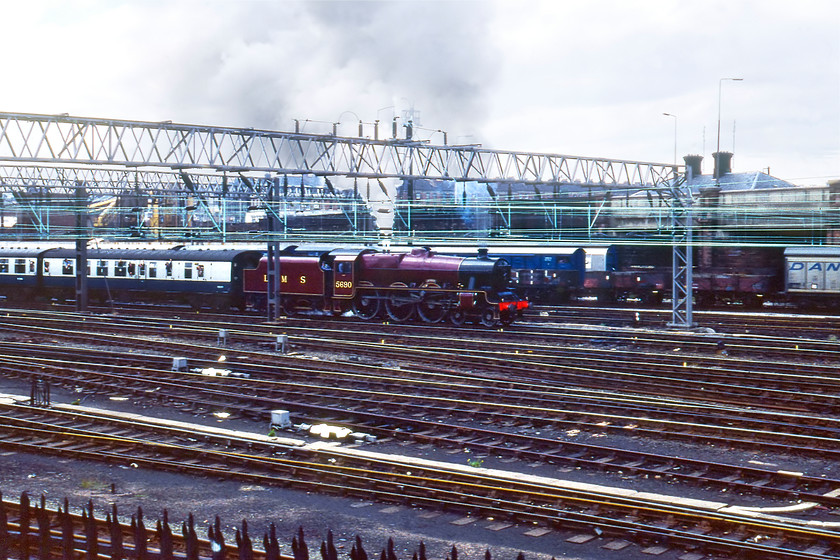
x=693, y=166
x=723, y=163
x=482, y=253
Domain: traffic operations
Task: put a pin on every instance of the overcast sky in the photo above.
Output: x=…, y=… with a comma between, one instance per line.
x=586, y=78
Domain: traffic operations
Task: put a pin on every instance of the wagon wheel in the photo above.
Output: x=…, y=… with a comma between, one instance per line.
x=366, y=305
x=458, y=317
x=400, y=305
x=433, y=307
x=488, y=318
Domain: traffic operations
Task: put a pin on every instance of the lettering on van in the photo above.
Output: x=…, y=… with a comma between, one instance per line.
x=829, y=267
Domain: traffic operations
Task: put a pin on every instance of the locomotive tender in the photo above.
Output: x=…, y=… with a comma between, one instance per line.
x=363, y=281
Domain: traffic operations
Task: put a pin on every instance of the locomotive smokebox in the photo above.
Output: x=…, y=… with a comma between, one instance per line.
x=723, y=163
x=693, y=166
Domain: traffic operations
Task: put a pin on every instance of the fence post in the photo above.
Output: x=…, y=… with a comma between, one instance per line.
x=165, y=537
x=358, y=551
x=299, y=548
x=243, y=543
x=43, y=530
x=114, y=529
x=270, y=544
x=217, y=540
x=23, y=542
x=139, y=531
x=191, y=538
x=66, y=521
x=91, y=532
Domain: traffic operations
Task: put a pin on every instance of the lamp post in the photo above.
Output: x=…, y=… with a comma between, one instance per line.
x=675, y=135
x=720, y=86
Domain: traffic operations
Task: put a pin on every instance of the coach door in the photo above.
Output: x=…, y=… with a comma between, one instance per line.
x=344, y=285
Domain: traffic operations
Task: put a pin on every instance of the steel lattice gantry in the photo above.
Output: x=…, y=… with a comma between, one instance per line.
x=61, y=140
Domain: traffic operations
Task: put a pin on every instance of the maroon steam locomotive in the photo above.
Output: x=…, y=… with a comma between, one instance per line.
x=398, y=286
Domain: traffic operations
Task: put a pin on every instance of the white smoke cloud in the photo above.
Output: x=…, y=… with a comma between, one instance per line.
x=587, y=78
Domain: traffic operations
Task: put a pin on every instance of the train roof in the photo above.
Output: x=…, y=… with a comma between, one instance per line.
x=816, y=251
x=20, y=253
x=516, y=250
x=152, y=254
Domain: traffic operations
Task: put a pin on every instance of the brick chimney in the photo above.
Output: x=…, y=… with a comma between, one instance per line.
x=693, y=166
x=723, y=163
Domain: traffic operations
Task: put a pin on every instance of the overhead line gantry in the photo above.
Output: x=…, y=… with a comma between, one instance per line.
x=49, y=140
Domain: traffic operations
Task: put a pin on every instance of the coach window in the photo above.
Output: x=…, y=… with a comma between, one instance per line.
x=32, y=267
x=169, y=269
x=141, y=269
x=120, y=268
x=46, y=267
x=152, y=270
x=187, y=270
x=67, y=266
x=132, y=269
x=4, y=266
x=20, y=266
x=102, y=268
x=199, y=270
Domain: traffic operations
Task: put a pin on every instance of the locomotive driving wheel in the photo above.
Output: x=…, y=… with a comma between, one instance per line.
x=433, y=305
x=366, y=305
x=400, y=304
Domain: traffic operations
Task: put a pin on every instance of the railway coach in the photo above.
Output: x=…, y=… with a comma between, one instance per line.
x=19, y=278
x=201, y=278
x=812, y=275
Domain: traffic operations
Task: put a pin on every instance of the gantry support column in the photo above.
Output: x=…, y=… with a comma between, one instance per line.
x=81, y=249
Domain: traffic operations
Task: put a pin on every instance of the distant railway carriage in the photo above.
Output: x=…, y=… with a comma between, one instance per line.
x=548, y=274
x=19, y=272
x=813, y=274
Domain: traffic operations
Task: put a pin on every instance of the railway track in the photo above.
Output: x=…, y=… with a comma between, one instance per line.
x=370, y=400
x=714, y=526
x=797, y=386
x=405, y=386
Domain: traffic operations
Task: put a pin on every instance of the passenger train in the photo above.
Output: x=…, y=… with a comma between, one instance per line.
x=399, y=286
x=445, y=282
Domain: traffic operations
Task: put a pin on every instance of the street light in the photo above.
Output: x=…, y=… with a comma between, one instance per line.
x=675, y=135
x=720, y=85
